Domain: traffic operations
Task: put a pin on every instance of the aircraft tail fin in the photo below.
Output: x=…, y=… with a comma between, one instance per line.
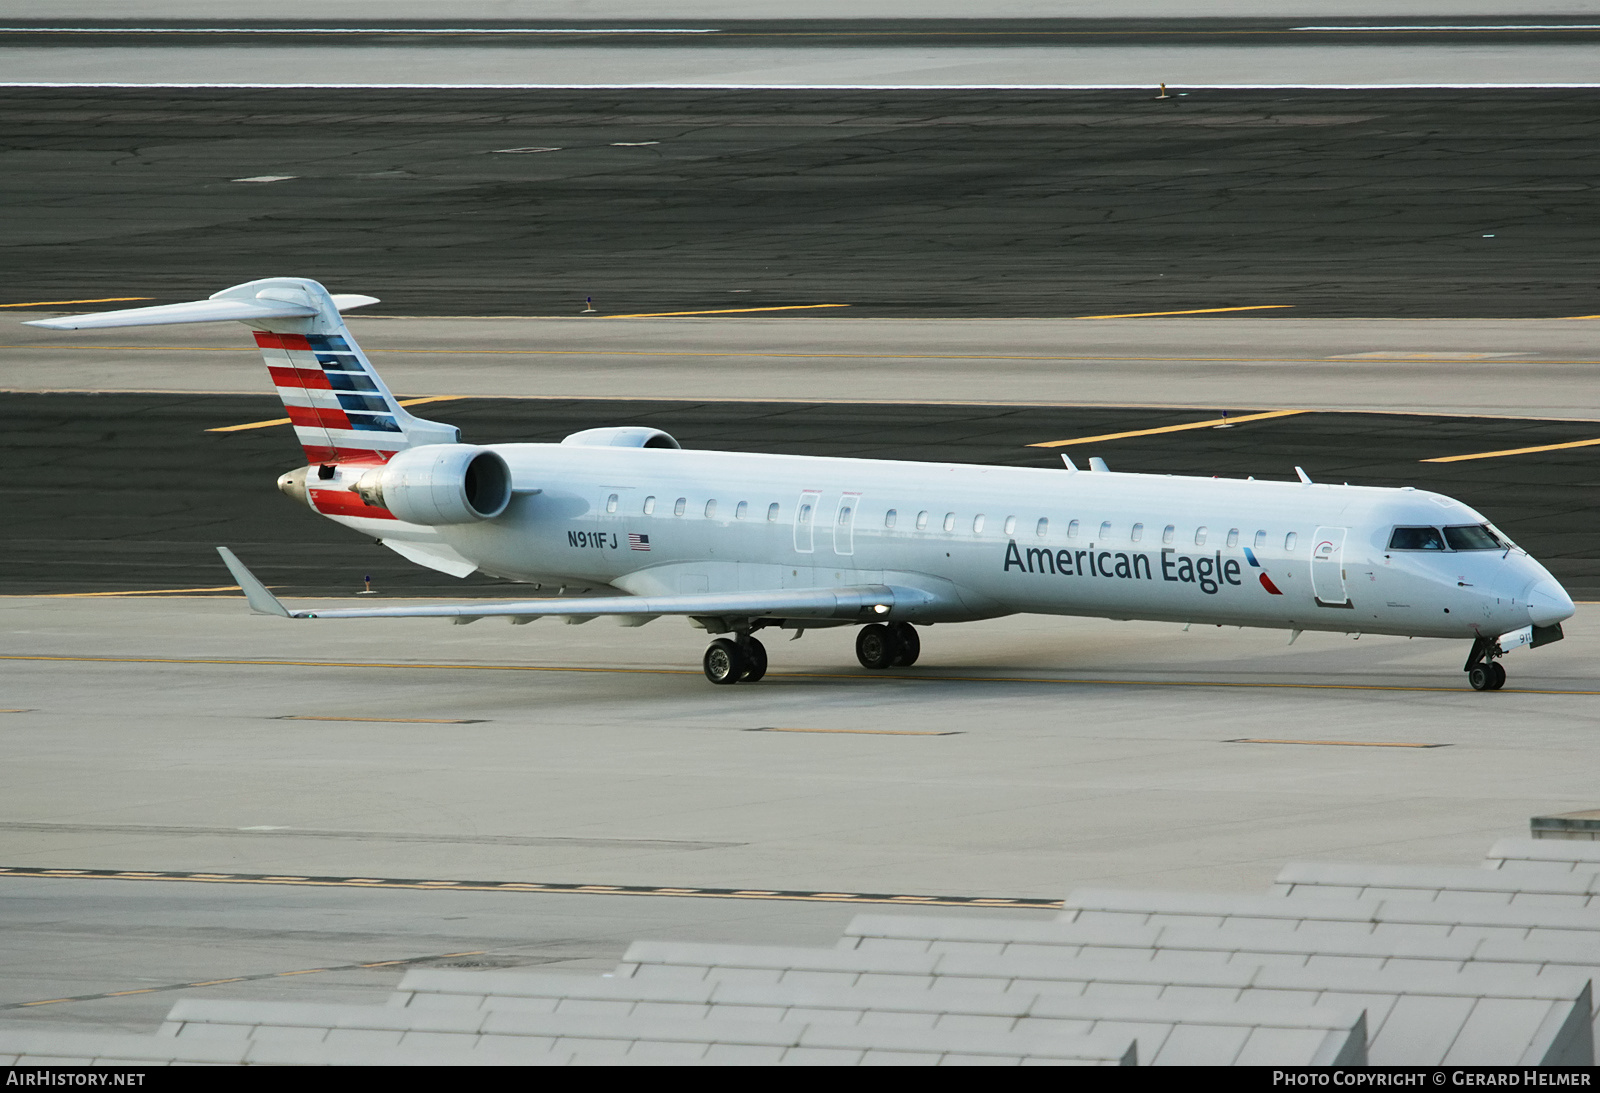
x=341, y=410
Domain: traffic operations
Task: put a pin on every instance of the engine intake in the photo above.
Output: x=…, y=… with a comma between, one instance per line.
x=439, y=484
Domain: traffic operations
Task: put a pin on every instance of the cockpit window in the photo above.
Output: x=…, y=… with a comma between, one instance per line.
x=1472, y=537
x=1416, y=539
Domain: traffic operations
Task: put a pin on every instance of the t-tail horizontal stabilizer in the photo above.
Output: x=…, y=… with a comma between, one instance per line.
x=219, y=309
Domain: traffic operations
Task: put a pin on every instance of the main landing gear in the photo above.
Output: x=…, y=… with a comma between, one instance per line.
x=893, y=646
x=743, y=659
x=1484, y=672
x=740, y=660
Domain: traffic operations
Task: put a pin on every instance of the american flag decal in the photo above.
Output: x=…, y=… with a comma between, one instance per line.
x=637, y=541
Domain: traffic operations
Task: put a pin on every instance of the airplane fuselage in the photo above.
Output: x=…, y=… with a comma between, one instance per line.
x=988, y=541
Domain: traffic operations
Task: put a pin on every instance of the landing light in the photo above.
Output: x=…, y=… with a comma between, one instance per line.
x=881, y=608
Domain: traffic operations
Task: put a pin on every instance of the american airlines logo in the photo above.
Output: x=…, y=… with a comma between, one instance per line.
x=1209, y=571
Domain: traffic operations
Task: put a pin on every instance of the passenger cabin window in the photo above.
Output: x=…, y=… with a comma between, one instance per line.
x=1233, y=537
x=1288, y=542
x=742, y=510
x=1138, y=532
x=1011, y=525
x=1416, y=539
x=611, y=503
x=772, y=512
x=1072, y=530
x=679, y=505
x=1199, y=536
x=922, y=520
x=1043, y=528
x=1472, y=537
x=889, y=518
x=1105, y=530
x=711, y=509
x=1167, y=533
x=805, y=514
x=844, y=516
x=977, y=524
x=649, y=505
x=1261, y=539
x=949, y=521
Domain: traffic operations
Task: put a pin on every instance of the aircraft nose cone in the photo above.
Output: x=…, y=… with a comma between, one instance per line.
x=1548, y=604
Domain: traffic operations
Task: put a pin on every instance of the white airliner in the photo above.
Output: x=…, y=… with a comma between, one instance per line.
x=738, y=542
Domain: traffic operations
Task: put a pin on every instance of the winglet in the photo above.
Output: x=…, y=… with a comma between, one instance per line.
x=261, y=601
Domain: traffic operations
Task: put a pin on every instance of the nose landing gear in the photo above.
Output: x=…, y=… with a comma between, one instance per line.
x=893, y=646
x=1483, y=672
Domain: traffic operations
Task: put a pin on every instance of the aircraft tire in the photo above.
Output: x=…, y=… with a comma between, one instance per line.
x=755, y=661
x=876, y=647
x=910, y=645
x=724, y=662
x=1499, y=675
x=1481, y=676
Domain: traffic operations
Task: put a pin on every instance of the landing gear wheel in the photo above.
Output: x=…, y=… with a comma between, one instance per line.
x=905, y=636
x=1481, y=676
x=755, y=661
x=876, y=647
x=1499, y=675
x=724, y=662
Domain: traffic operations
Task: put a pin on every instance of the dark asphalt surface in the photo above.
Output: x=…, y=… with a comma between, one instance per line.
x=1394, y=203
x=120, y=492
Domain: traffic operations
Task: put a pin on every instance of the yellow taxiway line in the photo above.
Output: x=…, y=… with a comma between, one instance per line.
x=1336, y=743
x=388, y=720
x=1513, y=451
x=865, y=732
x=1214, y=423
x=285, y=421
x=136, y=592
x=1195, y=311
x=721, y=311
x=101, y=300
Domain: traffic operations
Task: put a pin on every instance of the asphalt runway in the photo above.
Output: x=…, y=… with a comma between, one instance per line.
x=925, y=204
x=126, y=492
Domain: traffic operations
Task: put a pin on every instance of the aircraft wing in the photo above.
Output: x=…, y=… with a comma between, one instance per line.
x=863, y=602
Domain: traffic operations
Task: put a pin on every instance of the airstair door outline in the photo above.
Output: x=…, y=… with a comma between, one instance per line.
x=1327, y=568
x=844, y=524
x=805, y=521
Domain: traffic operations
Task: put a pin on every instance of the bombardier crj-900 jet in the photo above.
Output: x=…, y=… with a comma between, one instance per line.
x=739, y=543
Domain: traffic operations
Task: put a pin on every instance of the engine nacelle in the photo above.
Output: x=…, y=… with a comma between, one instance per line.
x=622, y=436
x=439, y=484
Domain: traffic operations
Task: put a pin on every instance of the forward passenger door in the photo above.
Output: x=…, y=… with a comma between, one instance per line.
x=1327, y=568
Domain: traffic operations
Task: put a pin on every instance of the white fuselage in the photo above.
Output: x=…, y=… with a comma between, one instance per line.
x=984, y=541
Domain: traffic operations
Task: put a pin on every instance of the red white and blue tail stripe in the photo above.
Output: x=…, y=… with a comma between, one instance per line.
x=340, y=409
